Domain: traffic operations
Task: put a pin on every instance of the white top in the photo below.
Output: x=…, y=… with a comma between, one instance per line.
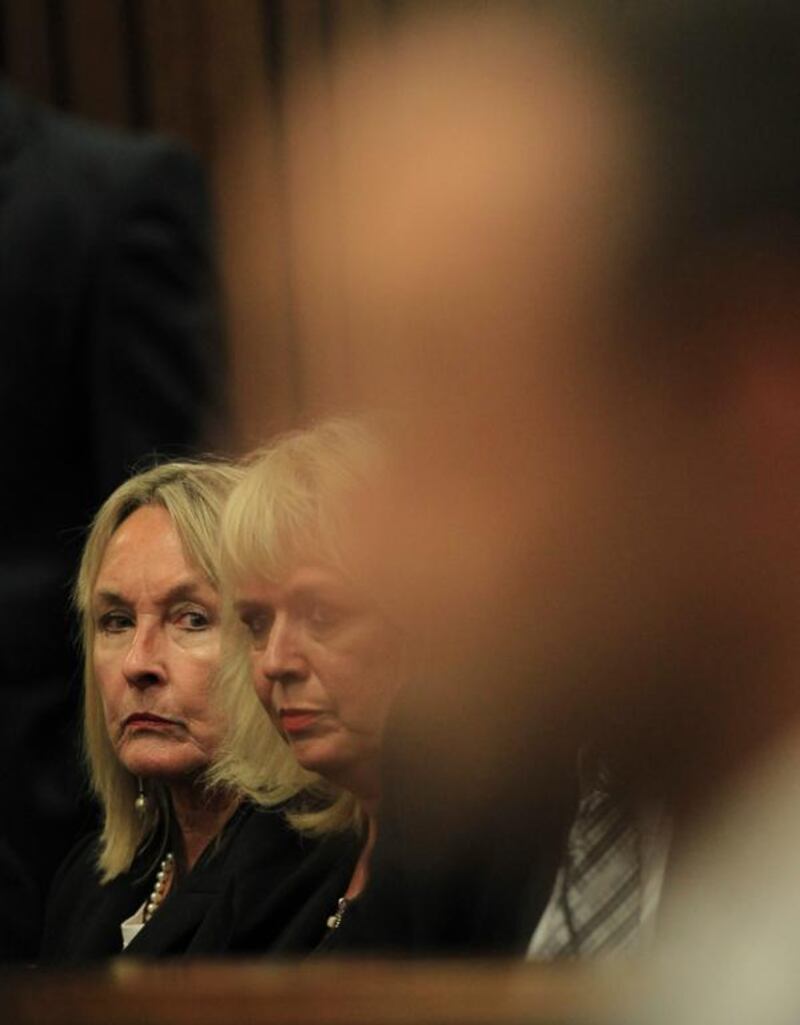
x=132, y=926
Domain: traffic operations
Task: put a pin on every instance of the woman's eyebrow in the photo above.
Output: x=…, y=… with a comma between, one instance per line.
x=306, y=593
x=188, y=590
x=249, y=605
x=105, y=598
x=185, y=590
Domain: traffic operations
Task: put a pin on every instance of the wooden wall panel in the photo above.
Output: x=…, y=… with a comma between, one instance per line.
x=26, y=29
x=98, y=60
x=245, y=95
x=173, y=34
x=315, y=34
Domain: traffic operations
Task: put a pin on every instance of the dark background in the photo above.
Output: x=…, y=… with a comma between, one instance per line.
x=189, y=68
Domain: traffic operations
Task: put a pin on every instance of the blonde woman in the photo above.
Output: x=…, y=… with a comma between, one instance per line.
x=323, y=658
x=175, y=857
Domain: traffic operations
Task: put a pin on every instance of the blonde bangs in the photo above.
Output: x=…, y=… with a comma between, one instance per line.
x=262, y=523
x=290, y=505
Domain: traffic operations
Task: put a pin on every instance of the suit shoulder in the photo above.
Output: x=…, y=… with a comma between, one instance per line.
x=117, y=158
x=60, y=170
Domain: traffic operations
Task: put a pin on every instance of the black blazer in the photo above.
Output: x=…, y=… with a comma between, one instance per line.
x=262, y=888
x=109, y=352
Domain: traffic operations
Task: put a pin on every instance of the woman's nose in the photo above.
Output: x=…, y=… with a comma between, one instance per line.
x=282, y=656
x=144, y=663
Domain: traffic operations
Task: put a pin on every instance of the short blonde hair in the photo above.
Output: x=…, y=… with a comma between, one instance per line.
x=287, y=508
x=193, y=493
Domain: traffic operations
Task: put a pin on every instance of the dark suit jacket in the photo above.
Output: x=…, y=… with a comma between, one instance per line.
x=21, y=921
x=108, y=354
x=263, y=888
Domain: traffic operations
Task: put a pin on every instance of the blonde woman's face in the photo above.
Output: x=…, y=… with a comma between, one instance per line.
x=325, y=668
x=156, y=646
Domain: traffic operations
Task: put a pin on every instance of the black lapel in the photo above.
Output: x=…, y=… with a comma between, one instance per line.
x=171, y=929
x=97, y=929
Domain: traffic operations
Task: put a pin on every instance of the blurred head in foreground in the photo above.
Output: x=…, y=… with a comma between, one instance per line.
x=570, y=261
x=319, y=650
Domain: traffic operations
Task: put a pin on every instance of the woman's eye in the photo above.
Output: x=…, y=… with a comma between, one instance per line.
x=115, y=622
x=322, y=615
x=257, y=624
x=193, y=619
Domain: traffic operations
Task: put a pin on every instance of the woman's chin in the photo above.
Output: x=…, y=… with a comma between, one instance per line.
x=326, y=759
x=164, y=768
x=154, y=757
x=315, y=756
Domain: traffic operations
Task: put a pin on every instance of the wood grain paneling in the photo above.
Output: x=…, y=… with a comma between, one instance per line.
x=27, y=47
x=98, y=60
x=325, y=992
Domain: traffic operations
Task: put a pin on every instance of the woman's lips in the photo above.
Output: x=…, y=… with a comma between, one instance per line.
x=296, y=720
x=148, y=721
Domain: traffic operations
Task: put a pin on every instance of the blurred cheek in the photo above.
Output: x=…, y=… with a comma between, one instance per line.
x=372, y=684
x=445, y=532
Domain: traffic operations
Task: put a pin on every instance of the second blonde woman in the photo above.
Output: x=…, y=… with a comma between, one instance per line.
x=320, y=653
x=179, y=867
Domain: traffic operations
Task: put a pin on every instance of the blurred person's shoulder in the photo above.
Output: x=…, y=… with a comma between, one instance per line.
x=726, y=939
x=76, y=158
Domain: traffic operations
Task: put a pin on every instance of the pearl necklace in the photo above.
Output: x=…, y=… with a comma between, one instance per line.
x=163, y=878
